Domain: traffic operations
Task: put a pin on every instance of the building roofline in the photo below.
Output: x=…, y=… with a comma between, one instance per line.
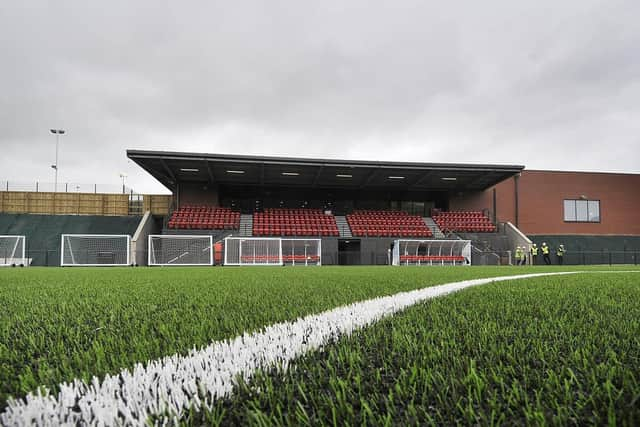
x=319, y=162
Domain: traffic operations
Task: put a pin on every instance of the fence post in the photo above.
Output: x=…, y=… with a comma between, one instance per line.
x=609, y=257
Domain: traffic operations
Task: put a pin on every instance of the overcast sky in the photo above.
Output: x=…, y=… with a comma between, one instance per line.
x=546, y=84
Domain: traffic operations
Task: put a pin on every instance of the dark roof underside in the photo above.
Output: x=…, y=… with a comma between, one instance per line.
x=172, y=167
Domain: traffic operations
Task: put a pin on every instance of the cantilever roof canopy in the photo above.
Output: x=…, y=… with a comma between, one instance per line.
x=172, y=167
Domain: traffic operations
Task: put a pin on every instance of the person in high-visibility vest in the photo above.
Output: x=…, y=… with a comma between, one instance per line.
x=545, y=253
x=519, y=255
x=560, y=254
x=534, y=254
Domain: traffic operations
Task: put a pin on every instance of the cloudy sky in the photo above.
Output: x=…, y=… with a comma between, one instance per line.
x=547, y=84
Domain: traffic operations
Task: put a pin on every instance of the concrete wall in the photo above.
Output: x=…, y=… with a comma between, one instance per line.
x=329, y=252
x=375, y=251
x=140, y=239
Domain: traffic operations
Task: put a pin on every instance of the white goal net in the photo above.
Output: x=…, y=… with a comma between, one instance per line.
x=180, y=250
x=12, y=250
x=253, y=251
x=95, y=250
x=431, y=252
x=301, y=251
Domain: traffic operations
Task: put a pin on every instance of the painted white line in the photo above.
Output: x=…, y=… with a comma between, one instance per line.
x=173, y=384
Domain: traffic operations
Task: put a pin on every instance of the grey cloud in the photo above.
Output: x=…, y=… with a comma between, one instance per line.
x=543, y=83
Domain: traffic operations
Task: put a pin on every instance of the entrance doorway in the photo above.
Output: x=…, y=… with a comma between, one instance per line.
x=349, y=252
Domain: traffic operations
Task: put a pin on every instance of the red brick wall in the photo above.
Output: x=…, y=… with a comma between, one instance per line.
x=541, y=196
x=505, y=201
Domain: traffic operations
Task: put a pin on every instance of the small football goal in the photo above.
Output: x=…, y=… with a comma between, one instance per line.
x=12, y=250
x=253, y=251
x=166, y=250
x=431, y=252
x=95, y=250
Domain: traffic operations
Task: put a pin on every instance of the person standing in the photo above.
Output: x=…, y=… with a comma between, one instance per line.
x=519, y=255
x=560, y=254
x=534, y=254
x=545, y=253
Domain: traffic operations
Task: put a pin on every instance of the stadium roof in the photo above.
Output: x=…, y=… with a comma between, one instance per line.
x=172, y=167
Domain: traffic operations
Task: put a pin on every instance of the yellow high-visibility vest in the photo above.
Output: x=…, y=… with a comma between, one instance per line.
x=545, y=250
x=534, y=250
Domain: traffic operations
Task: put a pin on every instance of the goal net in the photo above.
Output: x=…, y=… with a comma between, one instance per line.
x=95, y=250
x=431, y=252
x=180, y=250
x=12, y=250
x=252, y=251
x=301, y=251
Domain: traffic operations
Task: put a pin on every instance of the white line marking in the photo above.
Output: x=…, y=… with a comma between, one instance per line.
x=175, y=383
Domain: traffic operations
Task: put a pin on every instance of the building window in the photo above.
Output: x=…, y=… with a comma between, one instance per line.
x=582, y=211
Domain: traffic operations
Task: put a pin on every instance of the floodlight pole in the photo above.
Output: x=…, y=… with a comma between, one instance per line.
x=57, y=133
x=123, y=176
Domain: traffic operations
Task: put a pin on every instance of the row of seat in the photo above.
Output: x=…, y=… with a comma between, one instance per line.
x=300, y=258
x=431, y=258
x=294, y=222
x=464, y=222
x=204, y=217
x=273, y=231
x=387, y=224
x=314, y=222
x=390, y=232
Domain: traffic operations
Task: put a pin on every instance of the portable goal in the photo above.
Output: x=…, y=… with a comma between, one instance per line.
x=253, y=251
x=95, y=250
x=12, y=250
x=301, y=251
x=431, y=252
x=180, y=250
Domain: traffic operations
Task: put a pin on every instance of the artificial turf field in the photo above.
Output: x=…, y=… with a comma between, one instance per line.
x=561, y=349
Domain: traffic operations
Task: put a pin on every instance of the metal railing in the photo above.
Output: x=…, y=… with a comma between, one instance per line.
x=64, y=187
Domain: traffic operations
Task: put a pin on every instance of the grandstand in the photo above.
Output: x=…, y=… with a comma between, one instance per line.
x=356, y=208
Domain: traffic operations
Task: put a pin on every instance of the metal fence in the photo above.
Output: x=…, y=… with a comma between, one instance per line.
x=602, y=257
x=64, y=187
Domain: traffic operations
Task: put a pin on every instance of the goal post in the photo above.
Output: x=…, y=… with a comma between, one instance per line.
x=167, y=250
x=302, y=251
x=431, y=252
x=92, y=250
x=253, y=251
x=12, y=250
